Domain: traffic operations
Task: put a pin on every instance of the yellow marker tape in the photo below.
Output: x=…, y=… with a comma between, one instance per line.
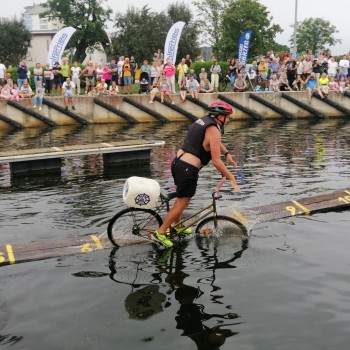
x=86, y=248
x=348, y=192
x=10, y=253
x=240, y=217
x=291, y=210
x=97, y=242
x=2, y=258
x=307, y=211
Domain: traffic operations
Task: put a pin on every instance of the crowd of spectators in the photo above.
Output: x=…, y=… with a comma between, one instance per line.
x=272, y=72
x=321, y=72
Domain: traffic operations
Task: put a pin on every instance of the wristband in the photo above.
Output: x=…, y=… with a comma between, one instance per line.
x=227, y=153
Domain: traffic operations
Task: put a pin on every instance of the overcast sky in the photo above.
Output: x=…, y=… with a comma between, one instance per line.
x=282, y=11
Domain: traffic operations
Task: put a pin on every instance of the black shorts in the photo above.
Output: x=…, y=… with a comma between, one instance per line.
x=185, y=176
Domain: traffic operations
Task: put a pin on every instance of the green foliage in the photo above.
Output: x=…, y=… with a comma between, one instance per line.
x=141, y=32
x=314, y=33
x=14, y=41
x=210, y=14
x=242, y=15
x=89, y=18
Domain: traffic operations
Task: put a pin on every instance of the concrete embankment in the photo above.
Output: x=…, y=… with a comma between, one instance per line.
x=137, y=109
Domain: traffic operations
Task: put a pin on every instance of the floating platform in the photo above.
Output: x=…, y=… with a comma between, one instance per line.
x=20, y=253
x=45, y=160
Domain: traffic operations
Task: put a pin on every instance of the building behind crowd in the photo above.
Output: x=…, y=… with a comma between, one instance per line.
x=43, y=30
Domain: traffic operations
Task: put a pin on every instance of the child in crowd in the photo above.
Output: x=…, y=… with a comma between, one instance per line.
x=68, y=93
x=274, y=83
x=154, y=89
x=15, y=92
x=113, y=89
x=5, y=92
x=183, y=90
x=333, y=85
x=165, y=91
x=39, y=95
x=342, y=85
x=298, y=83
x=26, y=91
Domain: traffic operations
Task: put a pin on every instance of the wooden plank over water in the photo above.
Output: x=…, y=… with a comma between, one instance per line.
x=77, y=150
x=20, y=253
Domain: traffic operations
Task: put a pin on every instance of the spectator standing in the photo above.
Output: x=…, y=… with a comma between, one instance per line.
x=317, y=69
x=169, y=72
x=38, y=74
x=332, y=67
x=65, y=70
x=68, y=93
x=134, y=66
x=57, y=78
x=106, y=74
x=120, y=65
x=188, y=60
x=147, y=69
x=113, y=68
x=48, y=77
x=344, y=65
x=291, y=70
x=2, y=74
x=22, y=71
x=215, y=71
x=307, y=67
x=89, y=76
x=75, y=74
x=154, y=71
x=182, y=70
x=39, y=95
x=232, y=72
x=127, y=76
x=99, y=72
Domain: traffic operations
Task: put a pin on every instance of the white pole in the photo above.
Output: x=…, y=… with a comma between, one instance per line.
x=295, y=29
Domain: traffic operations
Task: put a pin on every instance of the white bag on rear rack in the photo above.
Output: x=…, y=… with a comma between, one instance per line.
x=140, y=192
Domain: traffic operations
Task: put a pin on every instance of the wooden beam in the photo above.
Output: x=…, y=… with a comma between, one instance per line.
x=20, y=253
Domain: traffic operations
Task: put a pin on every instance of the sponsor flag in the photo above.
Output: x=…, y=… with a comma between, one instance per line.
x=58, y=44
x=243, y=46
x=172, y=41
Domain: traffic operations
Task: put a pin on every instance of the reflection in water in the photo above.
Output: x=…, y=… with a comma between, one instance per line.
x=158, y=279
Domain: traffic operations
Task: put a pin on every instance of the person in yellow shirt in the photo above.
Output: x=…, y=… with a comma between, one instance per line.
x=323, y=83
x=127, y=76
x=182, y=69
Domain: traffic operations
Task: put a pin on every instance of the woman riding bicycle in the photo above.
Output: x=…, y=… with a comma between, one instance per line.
x=202, y=144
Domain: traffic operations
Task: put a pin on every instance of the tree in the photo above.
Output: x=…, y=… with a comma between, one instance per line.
x=14, y=41
x=241, y=15
x=314, y=33
x=210, y=13
x=89, y=19
x=140, y=32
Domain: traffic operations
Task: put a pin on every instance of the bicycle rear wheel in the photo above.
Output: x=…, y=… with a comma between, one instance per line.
x=133, y=221
x=223, y=85
x=221, y=225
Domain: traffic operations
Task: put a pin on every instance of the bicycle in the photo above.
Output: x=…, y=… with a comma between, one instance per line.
x=143, y=222
x=224, y=82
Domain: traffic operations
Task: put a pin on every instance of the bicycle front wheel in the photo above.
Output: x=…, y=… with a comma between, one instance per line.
x=132, y=222
x=221, y=225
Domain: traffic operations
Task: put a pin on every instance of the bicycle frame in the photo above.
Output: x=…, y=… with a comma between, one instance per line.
x=210, y=208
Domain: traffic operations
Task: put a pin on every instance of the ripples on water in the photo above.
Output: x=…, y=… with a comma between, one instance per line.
x=286, y=289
